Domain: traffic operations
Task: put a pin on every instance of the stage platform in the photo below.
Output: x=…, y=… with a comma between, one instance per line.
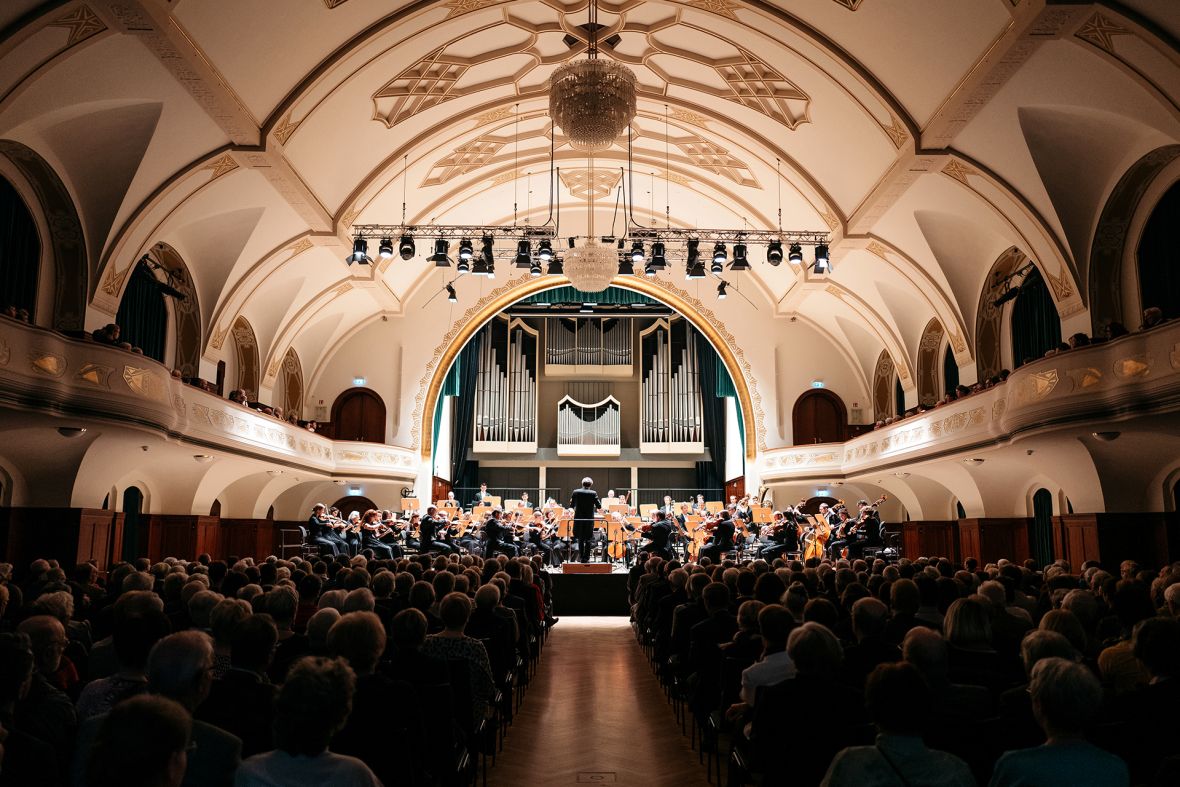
x=590, y=594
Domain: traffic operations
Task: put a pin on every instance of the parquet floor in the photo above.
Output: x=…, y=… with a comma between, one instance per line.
x=595, y=714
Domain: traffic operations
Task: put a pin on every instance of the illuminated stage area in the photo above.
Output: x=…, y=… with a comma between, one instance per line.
x=590, y=594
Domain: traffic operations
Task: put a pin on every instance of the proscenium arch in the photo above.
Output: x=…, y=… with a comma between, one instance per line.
x=637, y=284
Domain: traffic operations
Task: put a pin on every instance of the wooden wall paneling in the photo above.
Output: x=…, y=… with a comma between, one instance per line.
x=1075, y=539
x=930, y=538
x=207, y=537
x=247, y=538
x=115, y=553
x=990, y=539
x=96, y=527
x=440, y=487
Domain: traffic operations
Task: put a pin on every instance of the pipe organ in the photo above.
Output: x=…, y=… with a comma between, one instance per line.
x=599, y=346
x=506, y=388
x=671, y=395
x=588, y=429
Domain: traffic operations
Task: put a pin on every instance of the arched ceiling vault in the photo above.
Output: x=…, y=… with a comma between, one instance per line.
x=862, y=113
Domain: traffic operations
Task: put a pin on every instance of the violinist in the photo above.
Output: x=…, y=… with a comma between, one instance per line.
x=783, y=534
x=352, y=532
x=657, y=534
x=495, y=532
x=549, y=537
x=722, y=540
x=371, y=535
x=668, y=508
x=390, y=533
x=534, y=537
x=321, y=534
x=412, y=532
x=428, y=536
x=699, y=505
x=842, y=534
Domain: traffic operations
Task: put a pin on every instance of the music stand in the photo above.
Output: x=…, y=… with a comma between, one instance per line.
x=647, y=509
x=565, y=531
x=762, y=515
x=714, y=506
x=410, y=504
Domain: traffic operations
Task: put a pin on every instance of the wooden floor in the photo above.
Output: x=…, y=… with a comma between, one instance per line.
x=595, y=714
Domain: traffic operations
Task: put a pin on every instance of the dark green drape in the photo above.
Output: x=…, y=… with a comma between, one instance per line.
x=950, y=372
x=20, y=252
x=1036, y=328
x=1159, y=275
x=1042, y=546
x=143, y=317
x=710, y=475
x=611, y=295
x=898, y=397
x=464, y=473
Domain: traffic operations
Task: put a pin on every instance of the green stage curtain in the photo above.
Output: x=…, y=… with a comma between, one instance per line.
x=1159, y=275
x=618, y=296
x=709, y=474
x=1036, y=328
x=143, y=317
x=20, y=252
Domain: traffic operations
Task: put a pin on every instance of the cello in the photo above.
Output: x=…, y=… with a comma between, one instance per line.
x=817, y=539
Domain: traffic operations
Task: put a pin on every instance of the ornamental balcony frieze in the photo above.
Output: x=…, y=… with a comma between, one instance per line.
x=47, y=371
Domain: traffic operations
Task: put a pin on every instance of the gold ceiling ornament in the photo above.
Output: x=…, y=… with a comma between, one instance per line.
x=592, y=100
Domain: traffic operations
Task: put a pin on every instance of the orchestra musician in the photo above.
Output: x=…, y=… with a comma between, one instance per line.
x=842, y=533
x=483, y=495
x=668, y=508
x=412, y=541
x=585, y=503
x=390, y=533
x=371, y=535
x=658, y=533
x=321, y=533
x=534, y=532
x=352, y=532
x=783, y=534
x=495, y=534
x=699, y=505
x=722, y=540
x=428, y=536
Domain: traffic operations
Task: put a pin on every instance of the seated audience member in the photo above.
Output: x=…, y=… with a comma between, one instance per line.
x=968, y=634
x=107, y=334
x=747, y=644
x=485, y=624
x=312, y=707
x=409, y=663
x=775, y=665
x=1065, y=698
x=897, y=698
x=452, y=644
x=142, y=742
x=1150, y=712
x=1121, y=672
x=872, y=647
x=26, y=759
x=45, y=712
x=1015, y=705
x=927, y=651
x=133, y=640
x=242, y=701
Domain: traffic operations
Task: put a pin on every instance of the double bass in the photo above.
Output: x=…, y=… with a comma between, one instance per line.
x=816, y=539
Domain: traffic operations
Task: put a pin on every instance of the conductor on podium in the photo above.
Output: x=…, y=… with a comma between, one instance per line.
x=584, y=502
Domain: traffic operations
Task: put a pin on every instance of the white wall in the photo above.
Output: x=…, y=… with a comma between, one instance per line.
x=804, y=354
x=373, y=353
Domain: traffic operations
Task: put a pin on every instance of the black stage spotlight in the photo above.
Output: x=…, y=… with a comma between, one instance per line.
x=451, y=295
x=774, y=252
x=626, y=267
x=555, y=267
x=535, y=268
x=740, y=261
x=479, y=266
x=489, y=256
x=649, y=270
x=1008, y=295
x=406, y=247
x=466, y=250
x=439, y=258
x=721, y=290
x=719, y=255
x=823, y=262
x=524, y=254
x=795, y=255
x=658, y=259
x=545, y=250
x=360, y=252
x=637, y=252
x=694, y=268
x=385, y=249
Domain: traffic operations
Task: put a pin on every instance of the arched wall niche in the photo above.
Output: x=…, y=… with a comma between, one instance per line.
x=929, y=365
x=246, y=357
x=1114, y=280
x=186, y=312
x=701, y=318
x=65, y=271
x=291, y=384
x=989, y=321
x=884, y=377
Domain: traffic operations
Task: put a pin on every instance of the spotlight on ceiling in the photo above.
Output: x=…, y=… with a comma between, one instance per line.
x=489, y=256
x=385, y=249
x=774, y=252
x=649, y=270
x=555, y=267
x=823, y=262
x=535, y=268
x=462, y=267
x=71, y=431
x=795, y=254
x=1009, y=294
x=479, y=266
x=721, y=290
x=360, y=252
x=1106, y=437
x=466, y=250
x=637, y=252
x=719, y=254
x=524, y=254
x=452, y=296
x=694, y=268
x=626, y=267
x=545, y=251
x=406, y=247
x=740, y=261
x=439, y=258
x=659, y=260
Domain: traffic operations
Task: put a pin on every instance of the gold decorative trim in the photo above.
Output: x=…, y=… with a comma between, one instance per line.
x=47, y=363
x=720, y=7
x=1135, y=366
x=219, y=337
x=1100, y=31
x=831, y=219
x=1174, y=356
x=221, y=166
x=300, y=246
x=583, y=183
x=330, y=4
x=1087, y=377
x=496, y=301
x=82, y=24
x=5, y=352
x=95, y=373
x=690, y=117
x=460, y=7
x=145, y=383
x=959, y=171
x=851, y=5
x=896, y=132
x=286, y=128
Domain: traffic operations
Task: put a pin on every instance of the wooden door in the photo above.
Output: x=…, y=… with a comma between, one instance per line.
x=819, y=417
x=359, y=414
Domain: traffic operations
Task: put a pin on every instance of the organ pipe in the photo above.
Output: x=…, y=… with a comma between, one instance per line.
x=506, y=387
x=671, y=393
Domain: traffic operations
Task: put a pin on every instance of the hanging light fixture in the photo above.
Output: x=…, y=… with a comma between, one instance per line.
x=740, y=261
x=795, y=255
x=592, y=100
x=591, y=266
x=452, y=296
x=405, y=247
x=385, y=249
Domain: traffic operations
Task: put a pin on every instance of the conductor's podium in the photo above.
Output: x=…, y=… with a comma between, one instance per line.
x=586, y=568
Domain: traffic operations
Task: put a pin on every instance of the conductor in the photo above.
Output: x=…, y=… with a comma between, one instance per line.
x=584, y=502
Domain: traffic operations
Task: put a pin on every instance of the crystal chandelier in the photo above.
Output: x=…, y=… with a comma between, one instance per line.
x=591, y=266
x=592, y=100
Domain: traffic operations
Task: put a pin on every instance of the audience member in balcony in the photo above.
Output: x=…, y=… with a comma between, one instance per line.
x=1078, y=340
x=143, y=742
x=107, y=334
x=1153, y=316
x=312, y=426
x=897, y=699
x=312, y=707
x=1065, y=698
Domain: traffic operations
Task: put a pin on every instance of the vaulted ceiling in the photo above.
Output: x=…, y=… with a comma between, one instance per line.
x=928, y=138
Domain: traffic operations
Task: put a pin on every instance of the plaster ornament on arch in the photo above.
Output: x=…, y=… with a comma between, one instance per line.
x=82, y=24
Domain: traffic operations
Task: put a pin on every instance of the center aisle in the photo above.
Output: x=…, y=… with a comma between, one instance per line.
x=595, y=713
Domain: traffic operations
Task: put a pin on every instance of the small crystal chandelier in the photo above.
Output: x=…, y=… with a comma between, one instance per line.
x=591, y=266
x=592, y=100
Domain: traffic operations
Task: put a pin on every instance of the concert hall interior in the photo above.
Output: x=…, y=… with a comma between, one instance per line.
x=851, y=293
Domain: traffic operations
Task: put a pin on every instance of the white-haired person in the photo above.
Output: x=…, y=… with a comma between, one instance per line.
x=1065, y=698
